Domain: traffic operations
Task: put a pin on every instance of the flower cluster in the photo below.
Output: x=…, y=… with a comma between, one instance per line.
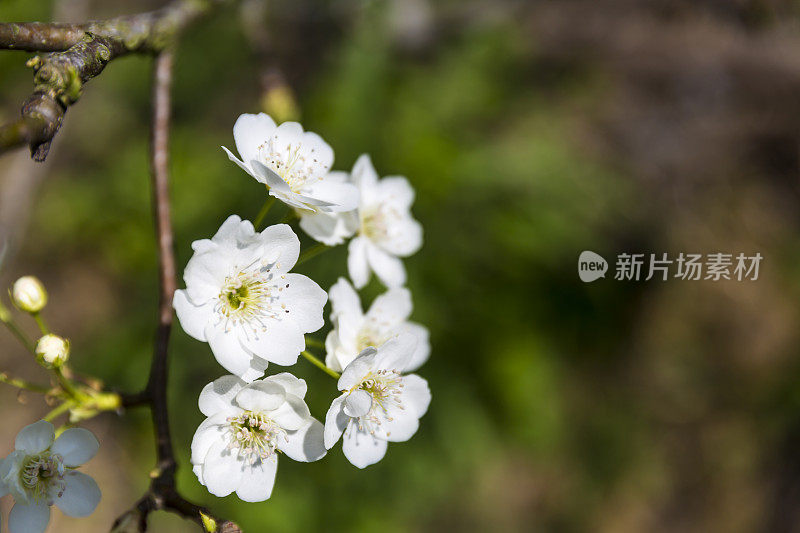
x=242, y=298
x=42, y=469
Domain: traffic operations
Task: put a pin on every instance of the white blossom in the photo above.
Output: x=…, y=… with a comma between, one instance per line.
x=52, y=350
x=378, y=404
x=293, y=164
x=387, y=231
x=241, y=298
x=41, y=471
x=354, y=330
x=28, y=294
x=236, y=448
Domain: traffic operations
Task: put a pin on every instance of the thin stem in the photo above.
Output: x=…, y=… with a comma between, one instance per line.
x=319, y=364
x=312, y=251
x=12, y=326
x=310, y=341
x=64, y=407
x=23, y=384
x=41, y=323
x=263, y=213
x=66, y=384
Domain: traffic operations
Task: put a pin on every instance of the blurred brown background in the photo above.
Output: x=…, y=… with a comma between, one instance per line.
x=532, y=131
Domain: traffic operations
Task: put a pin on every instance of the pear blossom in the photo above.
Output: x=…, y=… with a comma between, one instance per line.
x=241, y=298
x=41, y=471
x=387, y=231
x=236, y=448
x=354, y=330
x=378, y=404
x=330, y=228
x=292, y=163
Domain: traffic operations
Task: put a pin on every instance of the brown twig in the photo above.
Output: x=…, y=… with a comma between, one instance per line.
x=80, y=52
x=162, y=82
x=162, y=494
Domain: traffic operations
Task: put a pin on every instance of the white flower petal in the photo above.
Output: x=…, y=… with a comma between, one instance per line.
x=355, y=372
x=361, y=448
x=335, y=422
x=292, y=414
x=35, y=438
x=332, y=347
x=350, y=327
x=204, y=245
x=242, y=165
x=306, y=444
x=231, y=230
x=218, y=395
x=397, y=425
x=404, y=238
x=304, y=301
x=28, y=518
x=387, y=267
x=76, y=446
x=227, y=349
x=396, y=353
x=81, y=495
x=365, y=178
x=317, y=149
x=290, y=383
x=257, y=480
x=280, y=344
x=276, y=184
x=328, y=228
x=261, y=396
x=208, y=432
x=286, y=135
x=390, y=309
x=256, y=371
x=198, y=471
x=357, y=403
x=395, y=191
x=342, y=196
x=416, y=393
x=280, y=245
x=357, y=262
x=222, y=471
x=10, y=470
x=250, y=132
x=344, y=299
x=204, y=275
x=193, y=318
x=423, y=349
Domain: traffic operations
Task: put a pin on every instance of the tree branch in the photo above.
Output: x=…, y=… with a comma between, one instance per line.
x=159, y=142
x=162, y=494
x=80, y=52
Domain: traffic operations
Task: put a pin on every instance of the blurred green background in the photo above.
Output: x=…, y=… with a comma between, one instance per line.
x=531, y=131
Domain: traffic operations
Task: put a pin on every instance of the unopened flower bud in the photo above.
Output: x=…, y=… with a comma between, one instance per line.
x=52, y=351
x=28, y=294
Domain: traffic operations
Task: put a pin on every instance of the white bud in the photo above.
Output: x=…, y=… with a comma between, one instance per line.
x=28, y=294
x=52, y=351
